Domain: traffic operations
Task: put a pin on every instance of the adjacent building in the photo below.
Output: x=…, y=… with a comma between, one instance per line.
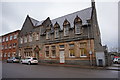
x=9, y=45
x=71, y=39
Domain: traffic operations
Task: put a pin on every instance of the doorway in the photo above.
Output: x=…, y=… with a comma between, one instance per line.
x=62, y=57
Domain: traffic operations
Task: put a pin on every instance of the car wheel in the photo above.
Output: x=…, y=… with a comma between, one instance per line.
x=7, y=62
x=116, y=62
x=21, y=62
x=29, y=63
x=12, y=61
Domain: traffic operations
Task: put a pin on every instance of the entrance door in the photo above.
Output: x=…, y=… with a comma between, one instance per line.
x=62, y=58
x=100, y=62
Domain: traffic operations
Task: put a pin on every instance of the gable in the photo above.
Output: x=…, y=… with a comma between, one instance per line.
x=27, y=26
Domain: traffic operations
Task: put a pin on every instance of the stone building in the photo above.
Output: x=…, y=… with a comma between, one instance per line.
x=70, y=39
x=9, y=45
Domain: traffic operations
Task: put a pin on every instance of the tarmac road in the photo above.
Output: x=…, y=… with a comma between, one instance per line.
x=17, y=70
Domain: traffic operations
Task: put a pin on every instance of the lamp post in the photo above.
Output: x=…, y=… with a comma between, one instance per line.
x=90, y=53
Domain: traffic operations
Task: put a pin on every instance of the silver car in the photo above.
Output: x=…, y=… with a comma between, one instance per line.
x=30, y=60
x=13, y=60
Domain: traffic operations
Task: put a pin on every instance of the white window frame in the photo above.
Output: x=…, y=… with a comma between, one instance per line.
x=3, y=40
x=8, y=54
x=82, y=53
x=5, y=55
x=15, y=36
x=6, y=38
x=37, y=36
x=11, y=37
x=72, y=55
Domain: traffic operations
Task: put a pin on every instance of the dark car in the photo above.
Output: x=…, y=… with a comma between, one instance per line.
x=13, y=60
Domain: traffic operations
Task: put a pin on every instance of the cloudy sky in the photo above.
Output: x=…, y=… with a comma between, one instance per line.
x=14, y=13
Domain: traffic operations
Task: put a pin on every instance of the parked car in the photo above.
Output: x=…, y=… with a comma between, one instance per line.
x=13, y=60
x=116, y=60
x=30, y=60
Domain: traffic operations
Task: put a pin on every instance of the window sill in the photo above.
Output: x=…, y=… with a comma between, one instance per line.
x=71, y=56
x=83, y=56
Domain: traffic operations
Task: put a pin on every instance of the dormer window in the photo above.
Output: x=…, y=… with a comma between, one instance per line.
x=56, y=33
x=66, y=26
x=30, y=38
x=37, y=36
x=56, y=29
x=25, y=39
x=47, y=35
x=78, y=24
x=77, y=29
x=66, y=31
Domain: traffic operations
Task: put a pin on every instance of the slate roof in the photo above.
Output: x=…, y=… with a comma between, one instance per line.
x=34, y=21
x=84, y=14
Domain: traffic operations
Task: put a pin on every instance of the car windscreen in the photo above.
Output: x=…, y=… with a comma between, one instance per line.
x=34, y=58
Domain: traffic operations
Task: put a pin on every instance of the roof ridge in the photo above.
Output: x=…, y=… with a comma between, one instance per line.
x=73, y=13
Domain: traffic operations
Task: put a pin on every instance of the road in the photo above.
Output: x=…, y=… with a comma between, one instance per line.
x=17, y=70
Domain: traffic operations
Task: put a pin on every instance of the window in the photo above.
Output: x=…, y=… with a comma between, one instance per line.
x=47, y=51
x=47, y=54
x=83, y=50
x=10, y=46
x=30, y=38
x=13, y=54
x=0, y=54
x=47, y=35
x=15, y=36
x=53, y=51
x=66, y=31
x=6, y=38
x=14, y=45
x=25, y=39
x=56, y=33
x=2, y=46
x=21, y=40
x=3, y=39
x=72, y=53
x=0, y=40
x=77, y=29
x=83, y=45
x=11, y=37
x=71, y=50
x=37, y=36
x=5, y=54
x=71, y=45
x=8, y=54
x=61, y=46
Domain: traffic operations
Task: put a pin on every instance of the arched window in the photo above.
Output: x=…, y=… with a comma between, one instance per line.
x=21, y=40
x=25, y=39
x=30, y=38
x=56, y=29
x=66, y=26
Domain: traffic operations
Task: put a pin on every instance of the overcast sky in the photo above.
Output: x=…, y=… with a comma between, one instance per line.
x=14, y=14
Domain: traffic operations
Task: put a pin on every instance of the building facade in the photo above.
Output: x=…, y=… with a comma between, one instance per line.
x=70, y=39
x=9, y=45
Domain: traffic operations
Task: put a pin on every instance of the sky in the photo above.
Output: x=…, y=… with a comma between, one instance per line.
x=13, y=15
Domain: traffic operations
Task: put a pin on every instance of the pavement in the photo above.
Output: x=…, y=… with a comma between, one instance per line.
x=112, y=67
